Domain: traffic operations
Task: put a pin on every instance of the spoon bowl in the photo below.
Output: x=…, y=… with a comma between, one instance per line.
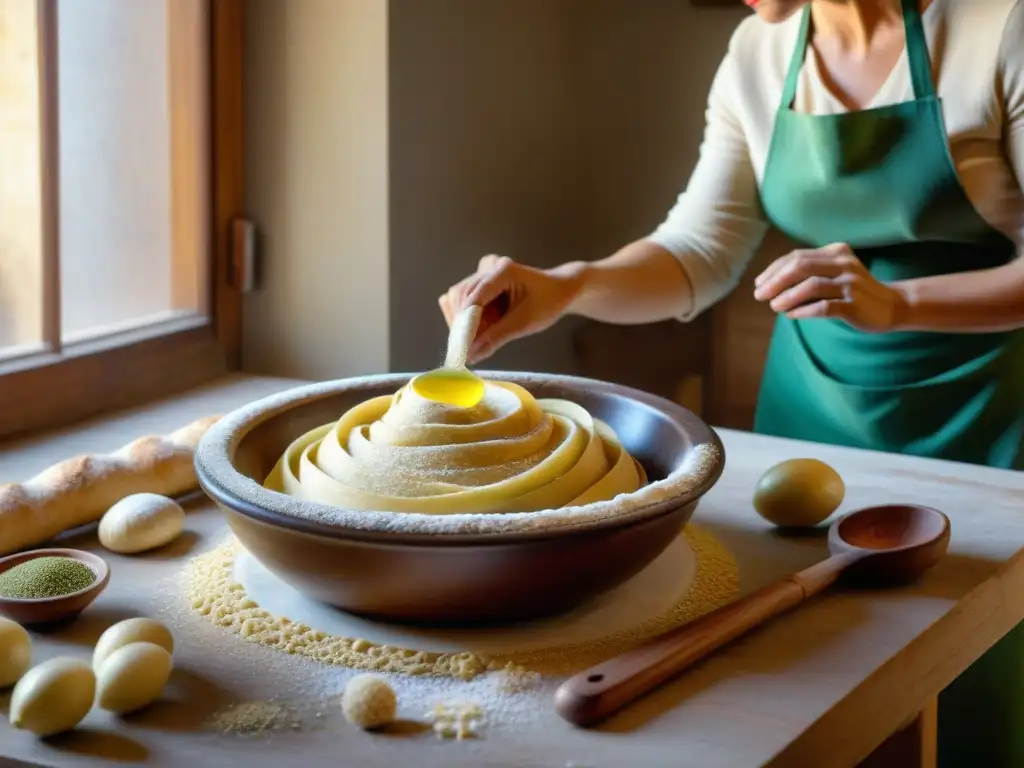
x=894, y=543
x=453, y=383
x=454, y=386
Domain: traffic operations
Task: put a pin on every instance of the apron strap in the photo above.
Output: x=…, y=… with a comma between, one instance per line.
x=797, y=61
x=917, y=54
x=917, y=51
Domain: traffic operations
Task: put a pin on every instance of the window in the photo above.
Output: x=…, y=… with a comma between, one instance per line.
x=120, y=177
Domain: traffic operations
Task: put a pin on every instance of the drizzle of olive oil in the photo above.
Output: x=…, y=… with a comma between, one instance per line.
x=452, y=386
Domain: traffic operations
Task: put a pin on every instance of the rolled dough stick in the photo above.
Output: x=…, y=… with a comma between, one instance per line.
x=79, y=490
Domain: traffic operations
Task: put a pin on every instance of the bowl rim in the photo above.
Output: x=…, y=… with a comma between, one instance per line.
x=91, y=560
x=215, y=469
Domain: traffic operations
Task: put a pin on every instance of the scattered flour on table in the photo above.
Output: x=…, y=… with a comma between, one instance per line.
x=300, y=687
x=213, y=591
x=270, y=693
x=458, y=720
x=251, y=717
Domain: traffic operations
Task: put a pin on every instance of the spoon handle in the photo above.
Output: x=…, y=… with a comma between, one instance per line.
x=602, y=690
x=461, y=335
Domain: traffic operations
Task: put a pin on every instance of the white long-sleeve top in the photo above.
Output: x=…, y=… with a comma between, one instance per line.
x=977, y=54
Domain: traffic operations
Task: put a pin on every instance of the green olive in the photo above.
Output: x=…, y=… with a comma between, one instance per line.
x=798, y=493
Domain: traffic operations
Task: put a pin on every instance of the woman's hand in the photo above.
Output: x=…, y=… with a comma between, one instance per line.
x=531, y=300
x=830, y=282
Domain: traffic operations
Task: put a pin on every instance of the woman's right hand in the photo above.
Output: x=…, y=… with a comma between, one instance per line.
x=532, y=300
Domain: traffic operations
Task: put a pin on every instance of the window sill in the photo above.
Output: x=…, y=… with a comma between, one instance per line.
x=24, y=457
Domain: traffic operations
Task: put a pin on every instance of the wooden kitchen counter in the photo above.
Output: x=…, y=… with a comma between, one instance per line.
x=820, y=687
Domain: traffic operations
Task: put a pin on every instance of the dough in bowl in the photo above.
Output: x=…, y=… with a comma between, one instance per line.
x=509, y=453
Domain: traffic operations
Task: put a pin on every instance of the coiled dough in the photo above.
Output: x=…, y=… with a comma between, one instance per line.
x=509, y=453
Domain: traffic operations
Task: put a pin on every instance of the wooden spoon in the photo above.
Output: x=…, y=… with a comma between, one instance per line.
x=879, y=545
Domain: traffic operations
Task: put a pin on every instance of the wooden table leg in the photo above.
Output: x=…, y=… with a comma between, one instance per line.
x=913, y=746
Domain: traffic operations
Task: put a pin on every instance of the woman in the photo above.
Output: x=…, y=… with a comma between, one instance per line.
x=887, y=136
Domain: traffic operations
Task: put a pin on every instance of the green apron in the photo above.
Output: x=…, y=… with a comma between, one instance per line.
x=883, y=181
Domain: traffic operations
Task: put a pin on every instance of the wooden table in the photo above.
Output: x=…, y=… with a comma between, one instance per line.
x=823, y=686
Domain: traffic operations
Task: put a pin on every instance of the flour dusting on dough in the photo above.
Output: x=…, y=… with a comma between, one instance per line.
x=694, y=471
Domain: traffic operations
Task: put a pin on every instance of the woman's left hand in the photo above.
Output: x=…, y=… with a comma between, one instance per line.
x=830, y=282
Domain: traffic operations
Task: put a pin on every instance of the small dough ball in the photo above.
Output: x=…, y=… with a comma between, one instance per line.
x=139, y=630
x=15, y=652
x=369, y=701
x=798, y=493
x=132, y=677
x=141, y=522
x=53, y=697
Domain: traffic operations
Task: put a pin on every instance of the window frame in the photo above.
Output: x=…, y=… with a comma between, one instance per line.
x=54, y=387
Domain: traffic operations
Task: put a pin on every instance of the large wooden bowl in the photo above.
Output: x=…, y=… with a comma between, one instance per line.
x=450, y=577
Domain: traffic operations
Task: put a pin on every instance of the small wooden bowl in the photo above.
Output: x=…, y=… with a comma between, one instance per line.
x=45, y=610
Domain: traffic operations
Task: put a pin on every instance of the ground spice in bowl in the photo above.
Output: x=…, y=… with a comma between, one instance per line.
x=44, y=577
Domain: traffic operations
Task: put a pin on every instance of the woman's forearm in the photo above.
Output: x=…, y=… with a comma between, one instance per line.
x=642, y=283
x=983, y=301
